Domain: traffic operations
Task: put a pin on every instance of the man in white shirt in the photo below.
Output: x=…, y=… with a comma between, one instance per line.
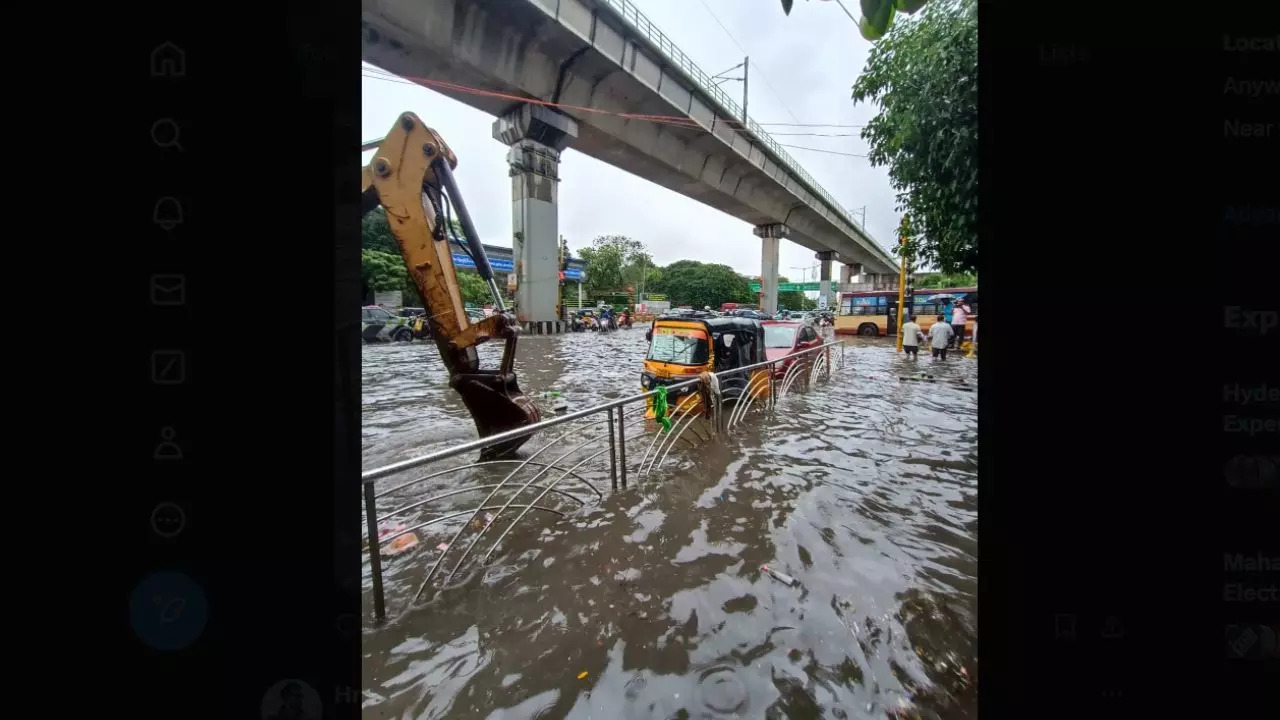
x=940, y=336
x=912, y=336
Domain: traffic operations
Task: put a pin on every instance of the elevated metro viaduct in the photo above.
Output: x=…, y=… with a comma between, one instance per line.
x=609, y=72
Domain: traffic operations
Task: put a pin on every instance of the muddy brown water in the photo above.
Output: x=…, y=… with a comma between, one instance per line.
x=862, y=487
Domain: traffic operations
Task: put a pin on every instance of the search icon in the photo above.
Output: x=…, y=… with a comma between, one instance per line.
x=165, y=134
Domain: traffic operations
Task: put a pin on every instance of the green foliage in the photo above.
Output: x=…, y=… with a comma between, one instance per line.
x=608, y=259
x=946, y=280
x=475, y=291
x=924, y=77
x=382, y=271
x=689, y=282
x=877, y=15
x=375, y=232
x=638, y=269
x=793, y=300
x=382, y=266
x=790, y=299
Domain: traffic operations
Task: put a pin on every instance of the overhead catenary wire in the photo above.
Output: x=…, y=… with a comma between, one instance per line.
x=767, y=83
x=375, y=73
x=674, y=120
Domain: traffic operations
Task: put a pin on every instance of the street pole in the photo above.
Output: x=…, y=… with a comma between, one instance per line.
x=746, y=68
x=902, y=281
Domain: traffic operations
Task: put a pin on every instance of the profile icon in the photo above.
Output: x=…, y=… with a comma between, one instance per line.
x=291, y=700
x=167, y=449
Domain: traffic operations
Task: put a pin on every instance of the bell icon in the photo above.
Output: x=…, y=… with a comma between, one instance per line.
x=168, y=213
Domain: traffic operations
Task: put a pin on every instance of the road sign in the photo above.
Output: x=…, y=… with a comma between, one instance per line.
x=790, y=287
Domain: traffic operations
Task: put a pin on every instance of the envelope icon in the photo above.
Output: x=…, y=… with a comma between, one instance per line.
x=168, y=289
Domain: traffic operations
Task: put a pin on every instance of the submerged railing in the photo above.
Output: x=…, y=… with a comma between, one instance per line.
x=713, y=403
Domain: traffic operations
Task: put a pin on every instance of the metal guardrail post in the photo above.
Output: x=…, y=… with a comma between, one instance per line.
x=375, y=552
x=613, y=454
x=622, y=448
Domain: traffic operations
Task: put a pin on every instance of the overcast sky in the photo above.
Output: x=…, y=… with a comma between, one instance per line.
x=802, y=69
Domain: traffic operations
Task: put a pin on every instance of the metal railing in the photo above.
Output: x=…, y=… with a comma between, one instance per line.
x=737, y=389
x=630, y=14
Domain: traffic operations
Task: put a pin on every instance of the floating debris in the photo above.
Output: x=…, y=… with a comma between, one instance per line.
x=582, y=675
x=780, y=577
x=401, y=544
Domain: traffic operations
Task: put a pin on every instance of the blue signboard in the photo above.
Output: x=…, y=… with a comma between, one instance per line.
x=505, y=265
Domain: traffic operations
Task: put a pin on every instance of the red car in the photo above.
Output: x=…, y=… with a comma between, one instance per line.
x=785, y=337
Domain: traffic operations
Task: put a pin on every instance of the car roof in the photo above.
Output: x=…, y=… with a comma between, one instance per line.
x=789, y=323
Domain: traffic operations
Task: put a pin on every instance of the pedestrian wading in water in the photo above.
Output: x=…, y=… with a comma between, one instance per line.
x=940, y=336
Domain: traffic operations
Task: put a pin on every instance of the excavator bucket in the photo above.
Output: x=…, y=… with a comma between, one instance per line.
x=497, y=405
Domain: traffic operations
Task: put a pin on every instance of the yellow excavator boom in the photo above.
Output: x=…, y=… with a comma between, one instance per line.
x=411, y=177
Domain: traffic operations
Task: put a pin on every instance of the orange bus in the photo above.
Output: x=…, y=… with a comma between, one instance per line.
x=875, y=313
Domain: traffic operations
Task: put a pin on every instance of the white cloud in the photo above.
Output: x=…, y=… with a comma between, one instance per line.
x=802, y=68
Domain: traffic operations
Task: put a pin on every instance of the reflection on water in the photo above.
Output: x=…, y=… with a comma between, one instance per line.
x=864, y=489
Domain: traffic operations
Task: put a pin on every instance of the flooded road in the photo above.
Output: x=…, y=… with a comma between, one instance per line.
x=651, y=603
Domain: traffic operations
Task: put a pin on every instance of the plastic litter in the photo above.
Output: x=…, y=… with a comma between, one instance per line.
x=442, y=547
x=401, y=544
x=582, y=674
x=557, y=403
x=780, y=577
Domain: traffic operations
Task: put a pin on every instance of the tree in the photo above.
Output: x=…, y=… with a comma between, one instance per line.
x=924, y=77
x=382, y=271
x=946, y=280
x=689, y=282
x=607, y=259
x=635, y=273
x=877, y=15
x=375, y=232
x=475, y=291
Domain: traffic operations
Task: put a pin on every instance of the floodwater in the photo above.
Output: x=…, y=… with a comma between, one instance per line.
x=651, y=603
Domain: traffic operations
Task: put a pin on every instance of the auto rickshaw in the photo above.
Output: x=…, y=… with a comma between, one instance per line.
x=684, y=347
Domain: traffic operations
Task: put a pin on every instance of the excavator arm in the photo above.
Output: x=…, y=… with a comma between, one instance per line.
x=411, y=177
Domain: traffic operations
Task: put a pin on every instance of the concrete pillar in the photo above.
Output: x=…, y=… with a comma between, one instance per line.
x=536, y=136
x=826, y=301
x=771, y=238
x=846, y=274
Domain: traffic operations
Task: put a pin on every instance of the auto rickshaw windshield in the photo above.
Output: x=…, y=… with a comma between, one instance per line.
x=679, y=346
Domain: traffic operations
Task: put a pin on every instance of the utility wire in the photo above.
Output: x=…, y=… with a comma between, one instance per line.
x=819, y=125
x=768, y=84
x=821, y=150
x=372, y=73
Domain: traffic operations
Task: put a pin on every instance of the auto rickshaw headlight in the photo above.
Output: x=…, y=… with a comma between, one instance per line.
x=645, y=380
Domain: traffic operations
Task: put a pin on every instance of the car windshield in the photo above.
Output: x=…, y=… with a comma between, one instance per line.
x=681, y=346
x=779, y=336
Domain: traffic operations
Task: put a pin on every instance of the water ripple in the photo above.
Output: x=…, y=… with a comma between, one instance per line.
x=863, y=489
